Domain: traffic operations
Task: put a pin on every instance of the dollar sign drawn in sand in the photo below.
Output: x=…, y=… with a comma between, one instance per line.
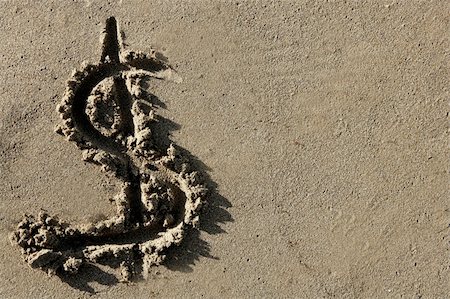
x=105, y=111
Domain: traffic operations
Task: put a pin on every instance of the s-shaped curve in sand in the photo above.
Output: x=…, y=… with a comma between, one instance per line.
x=104, y=111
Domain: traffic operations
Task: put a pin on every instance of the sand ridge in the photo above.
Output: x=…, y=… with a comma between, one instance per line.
x=106, y=112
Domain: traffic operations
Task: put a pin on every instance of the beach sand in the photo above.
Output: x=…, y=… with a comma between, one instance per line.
x=321, y=130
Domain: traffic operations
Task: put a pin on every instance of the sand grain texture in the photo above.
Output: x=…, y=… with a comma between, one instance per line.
x=323, y=128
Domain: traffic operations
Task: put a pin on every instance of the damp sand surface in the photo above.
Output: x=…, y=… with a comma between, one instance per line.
x=321, y=128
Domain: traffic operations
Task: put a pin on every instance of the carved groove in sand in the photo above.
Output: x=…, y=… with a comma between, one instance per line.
x=106, y=114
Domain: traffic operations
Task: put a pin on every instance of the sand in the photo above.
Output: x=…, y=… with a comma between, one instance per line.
x=313, y=136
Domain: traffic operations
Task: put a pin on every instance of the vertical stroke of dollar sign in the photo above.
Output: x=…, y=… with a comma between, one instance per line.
x=105, y=111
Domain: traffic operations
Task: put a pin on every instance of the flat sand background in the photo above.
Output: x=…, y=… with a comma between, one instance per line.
x=323, y=125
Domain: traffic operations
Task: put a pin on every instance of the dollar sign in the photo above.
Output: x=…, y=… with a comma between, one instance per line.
x=106, y=113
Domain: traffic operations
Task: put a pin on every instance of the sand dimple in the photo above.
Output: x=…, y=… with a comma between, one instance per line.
x=105, y=113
